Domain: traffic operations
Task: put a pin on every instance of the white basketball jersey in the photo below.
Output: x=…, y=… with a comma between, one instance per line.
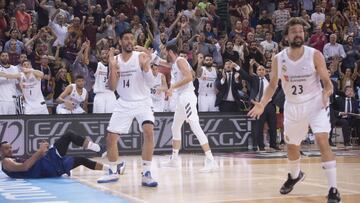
x=31, y=89
x=8, y=86
x=75, y=97
x=101, y=79
x=207, y=81
x=178, y=76
x=131, y=85
x=157, y=84
x=299, y=79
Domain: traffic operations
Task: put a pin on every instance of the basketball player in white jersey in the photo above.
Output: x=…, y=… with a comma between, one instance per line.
x=207, y=75
x=71, y=98
x=7, y=86
x=300, y=69
x=185, y=108
x=104, y=101
x=30, y=84
x=131, y=76
x=158, y=90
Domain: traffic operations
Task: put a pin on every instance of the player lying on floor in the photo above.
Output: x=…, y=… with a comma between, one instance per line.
x=52, y=162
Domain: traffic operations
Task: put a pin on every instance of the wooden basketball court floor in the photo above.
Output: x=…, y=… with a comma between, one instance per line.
x=238, y=179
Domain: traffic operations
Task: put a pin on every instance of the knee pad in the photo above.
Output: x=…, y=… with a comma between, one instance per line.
x=199, y=133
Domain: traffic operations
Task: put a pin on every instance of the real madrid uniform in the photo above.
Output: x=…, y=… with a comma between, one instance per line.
x=76, y=98
x=8, y=92
x=134, y=101
x=104, y=101
x=34, y=99
x=207, y=90
x=303, y=95
x=157, y=97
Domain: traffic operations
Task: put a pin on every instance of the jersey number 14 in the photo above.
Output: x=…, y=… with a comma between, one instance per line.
x=126, y=83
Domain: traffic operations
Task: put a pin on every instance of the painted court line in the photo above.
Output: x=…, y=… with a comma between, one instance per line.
x=115, y=192
x=62, y=189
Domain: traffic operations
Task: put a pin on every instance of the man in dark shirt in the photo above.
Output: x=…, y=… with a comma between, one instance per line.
x=230, y=54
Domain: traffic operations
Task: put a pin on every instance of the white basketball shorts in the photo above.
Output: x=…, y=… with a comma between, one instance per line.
x=125, y=112
x=298, y=118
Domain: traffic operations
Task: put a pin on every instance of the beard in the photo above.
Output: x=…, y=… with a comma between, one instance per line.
x=296, y=43
x=128, y=48
x=208, y=65
x=4, y=61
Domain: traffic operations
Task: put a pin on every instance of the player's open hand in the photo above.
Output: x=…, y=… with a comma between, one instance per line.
x=257, y=110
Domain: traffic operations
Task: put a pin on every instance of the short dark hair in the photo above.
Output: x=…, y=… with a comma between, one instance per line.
x=227, y=60
x=25, y=61
x=208, y=55
x=173, y=47
x=293, y=21
x=3, y=142
x=183, y=52
x=128, y=31
x=79, y=77
x=347, y=87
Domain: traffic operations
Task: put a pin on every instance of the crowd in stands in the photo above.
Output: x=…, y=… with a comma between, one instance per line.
x=65, y=38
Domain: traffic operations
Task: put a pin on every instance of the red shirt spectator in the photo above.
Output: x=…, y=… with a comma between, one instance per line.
x=318, y=40
x=23, y=19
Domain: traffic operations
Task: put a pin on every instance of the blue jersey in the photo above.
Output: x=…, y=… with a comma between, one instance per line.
x=50, y=165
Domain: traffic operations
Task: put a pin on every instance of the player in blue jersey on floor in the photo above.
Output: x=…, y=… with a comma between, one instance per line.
x=52, y=162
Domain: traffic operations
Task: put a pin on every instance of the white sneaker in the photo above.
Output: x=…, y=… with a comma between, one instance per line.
x=210, y=166
x=171, y=162
x=147, y=180
x=111, y=176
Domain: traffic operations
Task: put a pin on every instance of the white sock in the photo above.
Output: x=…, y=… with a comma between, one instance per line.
x=106, y=167
x=294, y=168
x=175, y=153
x=113, y=166
x=146, y=166
x=330, y=171
x=209, y=155
x=93, y=147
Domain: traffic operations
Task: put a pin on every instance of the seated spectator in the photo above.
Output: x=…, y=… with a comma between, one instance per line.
x=71, y=99
x=265, y=21
x=237, y=30
x=268, y=44
x=13, y=55
x=343, y=108
x=333, y=50
x=14, y=34
x=259, y=34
